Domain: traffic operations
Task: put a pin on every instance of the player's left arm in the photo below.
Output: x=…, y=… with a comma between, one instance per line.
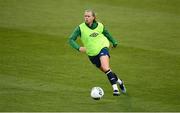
x=109, y=37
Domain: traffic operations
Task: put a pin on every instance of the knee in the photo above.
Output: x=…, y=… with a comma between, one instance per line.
x=104, y=68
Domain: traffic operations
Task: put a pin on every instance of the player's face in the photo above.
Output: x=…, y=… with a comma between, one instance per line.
x=88, y=17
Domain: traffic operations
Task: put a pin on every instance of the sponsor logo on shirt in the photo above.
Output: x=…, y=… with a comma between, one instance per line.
x=94, y=34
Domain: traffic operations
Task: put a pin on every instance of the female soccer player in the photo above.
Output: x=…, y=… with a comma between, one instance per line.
x=95, y=39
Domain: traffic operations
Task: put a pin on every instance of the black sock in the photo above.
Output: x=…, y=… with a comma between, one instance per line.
x=111, y=76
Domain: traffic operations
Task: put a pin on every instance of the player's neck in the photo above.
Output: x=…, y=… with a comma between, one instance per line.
x=90, y=24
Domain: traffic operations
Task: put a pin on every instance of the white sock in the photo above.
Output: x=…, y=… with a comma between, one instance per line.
x=115, y=87
x=119, y=81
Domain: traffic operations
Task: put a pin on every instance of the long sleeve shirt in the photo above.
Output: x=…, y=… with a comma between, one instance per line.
x=77, y=33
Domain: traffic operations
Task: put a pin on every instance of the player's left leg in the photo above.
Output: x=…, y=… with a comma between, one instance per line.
x=111, y=76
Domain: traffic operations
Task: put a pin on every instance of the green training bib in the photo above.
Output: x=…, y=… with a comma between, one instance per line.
x=93, y=39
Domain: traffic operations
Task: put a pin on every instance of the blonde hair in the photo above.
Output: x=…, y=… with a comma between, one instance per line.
x=90, y=10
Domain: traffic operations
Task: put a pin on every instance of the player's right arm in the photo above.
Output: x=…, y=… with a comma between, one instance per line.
x=73, y=37
x=72, y=40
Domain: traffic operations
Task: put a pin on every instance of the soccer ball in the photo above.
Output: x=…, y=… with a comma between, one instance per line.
x=97, y=93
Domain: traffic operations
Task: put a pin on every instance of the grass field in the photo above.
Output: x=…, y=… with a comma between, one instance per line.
x=39, y=71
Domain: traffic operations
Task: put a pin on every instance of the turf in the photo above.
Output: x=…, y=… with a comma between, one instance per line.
x=39, y=71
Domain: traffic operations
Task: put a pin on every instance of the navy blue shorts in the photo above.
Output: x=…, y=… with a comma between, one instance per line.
x=96, y=59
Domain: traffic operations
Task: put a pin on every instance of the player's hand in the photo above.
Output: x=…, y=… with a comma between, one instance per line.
x=82, y=49
x=114, y=45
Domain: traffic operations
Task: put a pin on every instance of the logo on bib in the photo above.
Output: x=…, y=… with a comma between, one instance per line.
x=94, y=34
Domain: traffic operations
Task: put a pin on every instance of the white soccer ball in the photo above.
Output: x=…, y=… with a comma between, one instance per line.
x=97, y=93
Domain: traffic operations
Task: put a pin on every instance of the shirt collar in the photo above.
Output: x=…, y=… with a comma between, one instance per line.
x=94, y=25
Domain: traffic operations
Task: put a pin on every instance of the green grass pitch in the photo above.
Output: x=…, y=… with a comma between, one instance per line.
x=39, y=71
